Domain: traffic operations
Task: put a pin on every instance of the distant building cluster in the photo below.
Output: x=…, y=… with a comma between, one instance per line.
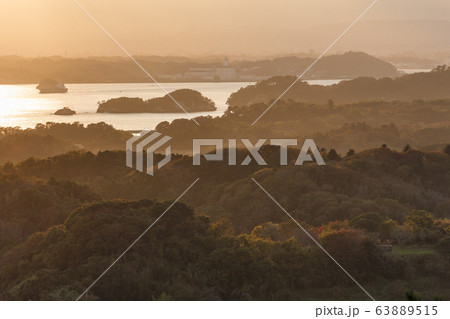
x=223, y=72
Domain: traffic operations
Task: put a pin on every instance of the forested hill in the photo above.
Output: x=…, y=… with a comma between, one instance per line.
x=358, y=126
x=378, y=180
x=431, y=85
x=61, y=237
x=421, y=124
x=15, y=70
x=340, y=66
x=185, y=257
x=51, y=139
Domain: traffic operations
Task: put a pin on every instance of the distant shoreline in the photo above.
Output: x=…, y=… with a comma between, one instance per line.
x=141, y=82
x=401, y=71
x=348, y=65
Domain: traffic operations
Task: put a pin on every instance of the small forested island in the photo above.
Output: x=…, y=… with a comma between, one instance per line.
x=65, y=111
x=190, y=100
x=51, y=86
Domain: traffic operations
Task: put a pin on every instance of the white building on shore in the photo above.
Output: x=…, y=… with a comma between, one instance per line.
x=224, y=72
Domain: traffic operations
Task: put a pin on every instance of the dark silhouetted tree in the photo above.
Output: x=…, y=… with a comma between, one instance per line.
x=412, y=296
x=443, y=246
x=161, y=126
x=447, y=150
x=333, y=155
x=8, y=168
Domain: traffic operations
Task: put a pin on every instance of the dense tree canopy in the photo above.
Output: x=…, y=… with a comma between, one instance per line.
x=69, y=206
x=432, y=85
x=190, y=100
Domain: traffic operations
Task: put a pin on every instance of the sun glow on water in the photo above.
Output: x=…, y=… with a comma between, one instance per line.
x=23, y=106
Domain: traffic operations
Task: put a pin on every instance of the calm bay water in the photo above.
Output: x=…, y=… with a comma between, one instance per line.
x=23, y=106
x=412, y=71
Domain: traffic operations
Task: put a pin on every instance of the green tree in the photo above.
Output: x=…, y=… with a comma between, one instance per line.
x=371, y=222
x=421, y=223
x=420, y=219
x=412, y=296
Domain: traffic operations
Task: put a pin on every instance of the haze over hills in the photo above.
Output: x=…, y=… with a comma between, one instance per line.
x=422, y=38
x=419, y=38
x=195, y=28
x=100, y=69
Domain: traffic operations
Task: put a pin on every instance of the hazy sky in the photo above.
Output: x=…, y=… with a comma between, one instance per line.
x=183, y=27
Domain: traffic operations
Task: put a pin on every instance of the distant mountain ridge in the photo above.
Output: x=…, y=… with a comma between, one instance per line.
x=430, y=85
x=16, y=70
x=340, y=66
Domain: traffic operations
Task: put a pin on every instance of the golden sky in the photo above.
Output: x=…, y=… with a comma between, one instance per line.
x=189, y=27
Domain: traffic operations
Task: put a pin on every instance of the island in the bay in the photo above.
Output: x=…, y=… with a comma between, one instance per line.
x=65, y=111
x=51, y=86
x=190, y=100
